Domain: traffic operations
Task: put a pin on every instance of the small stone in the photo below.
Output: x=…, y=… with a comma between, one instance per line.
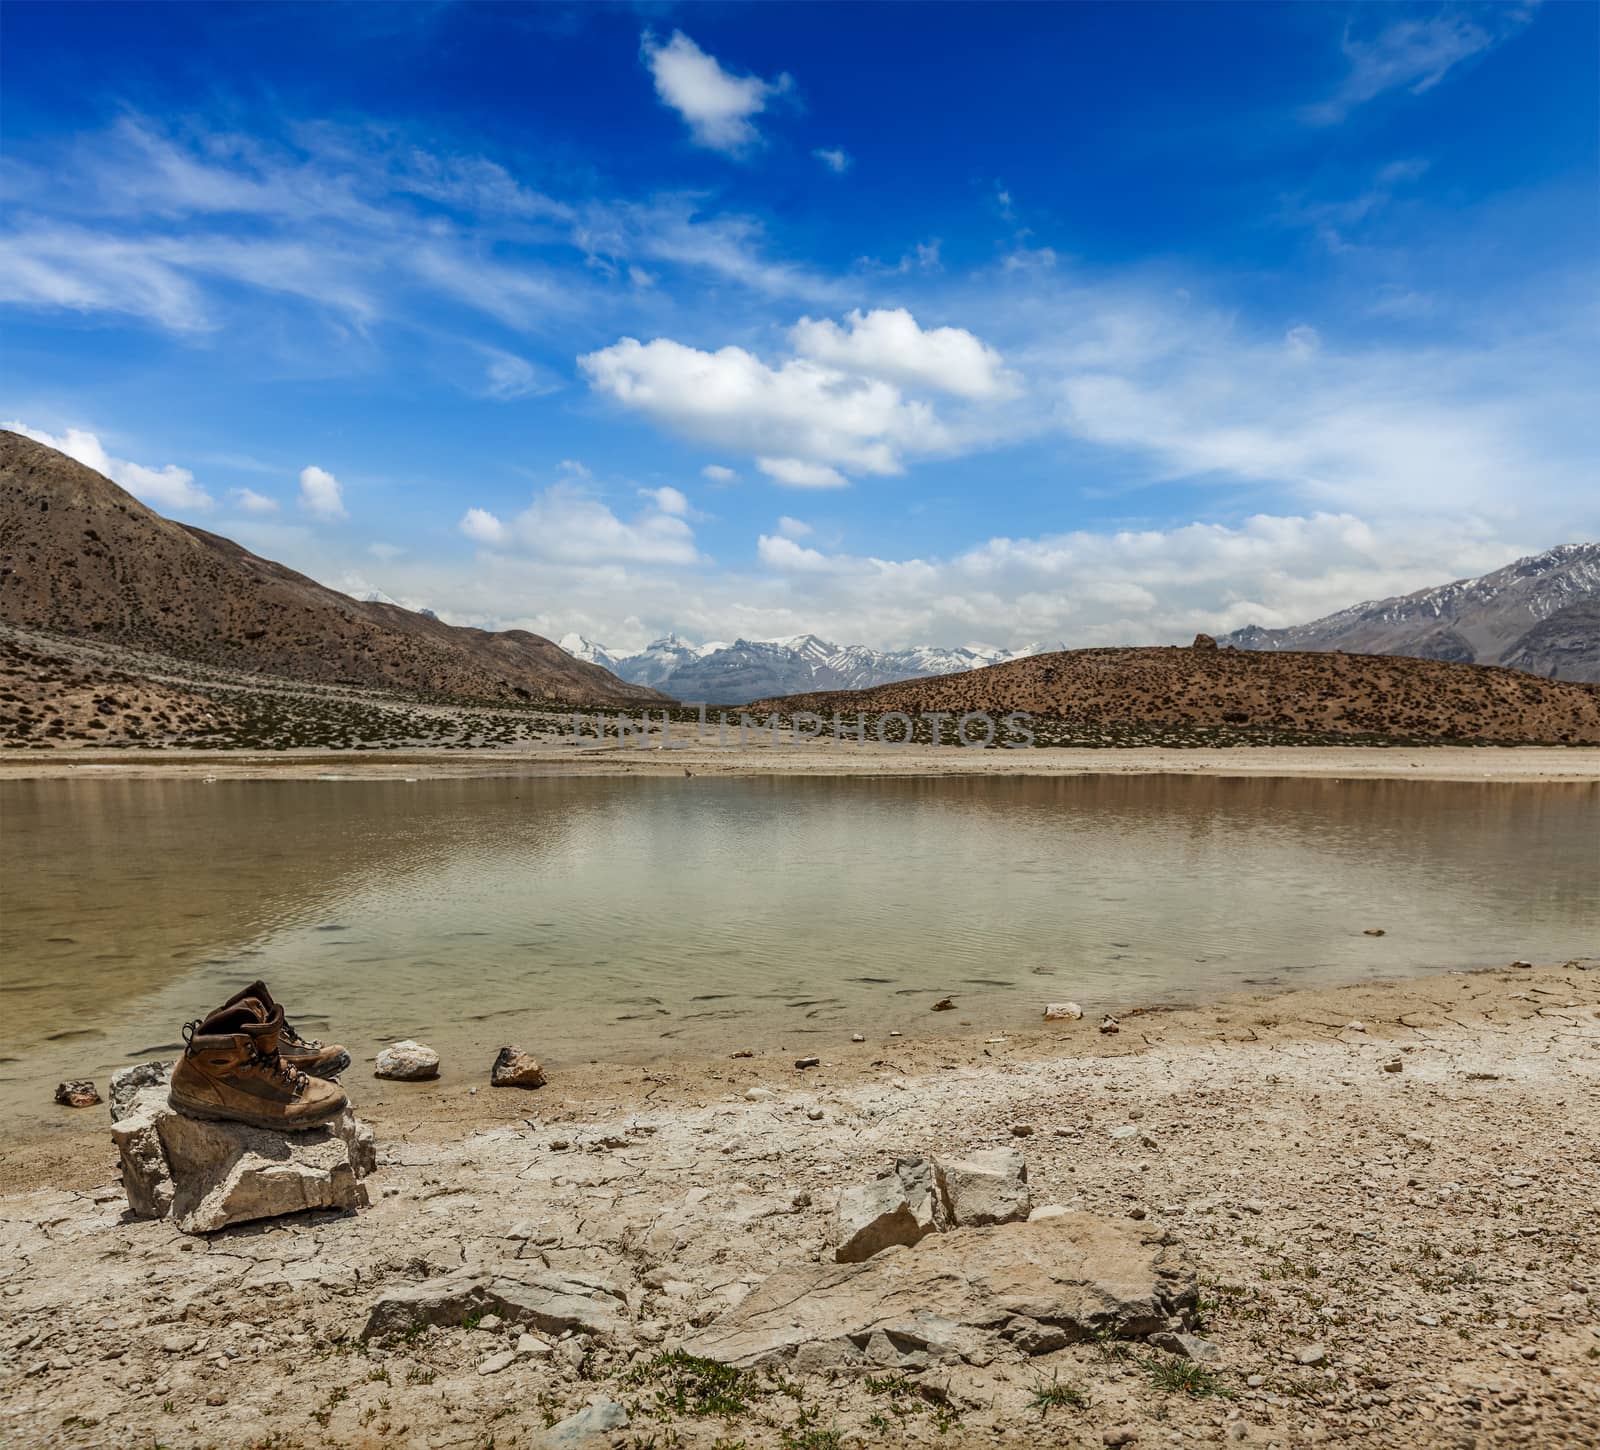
x=944, y=1004
x=805, y=1062
x=1121, y=1435
x=78, y=1093
x=1393, y=1065
x=490, y=1322
x=1256, y=1381
x=598, y=1419
x=1355, y=1026
x=516, y=1068
x=1313, y=1354
x=1123, y=1133
x=1136, y=1212
x=497, y=1362
x=530, y=1346
x=1022, y=1130
x=858, y=1037
x=743, y=1052
x=758, y=1094
x=1373, y=931
x=1062, y=1012
x=903, y=1206
x=1108, y=1025
x=1188, y=1346
x=814, y=1114
x=407, y=1061
x=1522, y=964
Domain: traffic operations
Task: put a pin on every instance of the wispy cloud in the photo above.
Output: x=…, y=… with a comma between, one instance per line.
x=1415, y=53
x=835, y=158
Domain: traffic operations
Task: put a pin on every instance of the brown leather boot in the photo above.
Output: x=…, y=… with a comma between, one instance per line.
x=231, y=1071
x=318, y=1058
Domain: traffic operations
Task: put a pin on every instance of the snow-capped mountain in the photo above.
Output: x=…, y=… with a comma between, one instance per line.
x=748, y=669
x=1537, y=614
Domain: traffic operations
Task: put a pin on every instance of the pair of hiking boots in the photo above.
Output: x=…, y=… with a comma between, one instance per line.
x=245, y=1064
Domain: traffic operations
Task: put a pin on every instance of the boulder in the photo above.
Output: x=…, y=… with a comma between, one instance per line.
x=516, y=1068
x=206, y=1176
x=552, y=1301
x=1071, y=1277
x=407, y=1061
x=78, y=1093
x=989, y=1186
x=126, y=1082
x=1203, y=641
x=903, y=1205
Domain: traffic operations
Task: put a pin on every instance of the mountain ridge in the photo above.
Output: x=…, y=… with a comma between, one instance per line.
x=80, y=556
x=1510, y=616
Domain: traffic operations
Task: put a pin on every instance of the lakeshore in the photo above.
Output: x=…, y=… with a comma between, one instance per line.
x=1387, y=1255
x=821, y=757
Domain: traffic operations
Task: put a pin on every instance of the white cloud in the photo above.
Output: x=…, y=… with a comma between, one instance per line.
x=387, y=552
x=888, y=343
x=1415, y=53
x=718, y=473
x=252, y=502
x=717, y=105
x=793, y=528
x=1301, y=342
x=784, y=554
x=798, y=473
x=508, y=376
x=482, y=527
x=669, y=500
x=835, y=158
x=321, y=495
x=800, y=410
x=567, y=524
x=168, y=487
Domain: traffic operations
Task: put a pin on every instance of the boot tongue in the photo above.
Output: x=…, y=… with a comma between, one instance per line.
x=266, y=1031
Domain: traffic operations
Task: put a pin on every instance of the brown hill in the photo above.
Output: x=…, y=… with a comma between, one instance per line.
x=1326, y=694
x=81, y=556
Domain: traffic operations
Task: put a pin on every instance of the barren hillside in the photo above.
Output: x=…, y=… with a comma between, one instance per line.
x=1338, y=694
x=80, y=556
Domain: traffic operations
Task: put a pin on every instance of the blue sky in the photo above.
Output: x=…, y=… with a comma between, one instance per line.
x=902, y=324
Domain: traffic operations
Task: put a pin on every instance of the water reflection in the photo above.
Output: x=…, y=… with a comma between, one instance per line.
x=604, y=917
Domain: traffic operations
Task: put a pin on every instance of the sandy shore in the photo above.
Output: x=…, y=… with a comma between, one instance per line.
x=1458, y=763
x=1387, y=1192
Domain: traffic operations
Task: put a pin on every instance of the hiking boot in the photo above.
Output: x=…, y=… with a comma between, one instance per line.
x=318, y=1058
x=231, y=1071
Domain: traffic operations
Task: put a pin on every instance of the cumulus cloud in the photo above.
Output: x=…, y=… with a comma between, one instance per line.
x=793, y=528
x=669, y=500
x=320, y=494
x=482, y=527
x=835, y=158
x=252, y=502
x=777, y=552
x=800, y=410
x=715, y=104
x=168, y=487
x=718, y=473
x=888, y=343
x=566, y=523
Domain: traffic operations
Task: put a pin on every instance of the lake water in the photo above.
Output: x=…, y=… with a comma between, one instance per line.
x=603, y=918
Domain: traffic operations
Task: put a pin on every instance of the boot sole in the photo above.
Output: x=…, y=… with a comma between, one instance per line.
x=269, y=1125
x=329, y=1069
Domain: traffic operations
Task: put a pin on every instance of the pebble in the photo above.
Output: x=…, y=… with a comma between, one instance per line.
x=1062, y=1012
x=944, y=1004
x=1109, y=1024
x=497, y=1362
x=407, y=1061
x=815, y=1114
x=804, y=1062
x=1313, y=1354
x=1121, y=1435
x=858, y=1037
x=1022, y=1130
x=1393, y=1065
x=758, y=1094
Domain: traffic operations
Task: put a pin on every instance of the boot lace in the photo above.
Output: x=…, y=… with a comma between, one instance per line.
x=274, y=1065
x=294, y=1039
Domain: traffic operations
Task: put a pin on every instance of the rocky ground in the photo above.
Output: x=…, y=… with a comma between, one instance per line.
x=1387, y=1194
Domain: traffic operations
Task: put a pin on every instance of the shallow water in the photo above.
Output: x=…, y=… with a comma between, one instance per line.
x=603, y=918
